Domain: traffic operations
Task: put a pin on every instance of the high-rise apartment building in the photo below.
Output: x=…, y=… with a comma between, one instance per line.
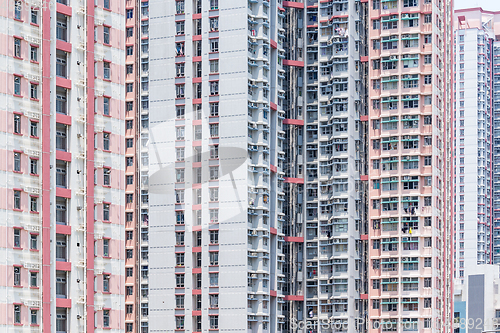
x=62, y=170
x=410, y=161
x=477, y=145
x=216, y=234
x=136, y=169
x=325, y=166
x=257, y=167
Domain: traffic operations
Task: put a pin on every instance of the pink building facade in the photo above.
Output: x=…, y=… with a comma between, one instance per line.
x=63, y=168
x=410, y=268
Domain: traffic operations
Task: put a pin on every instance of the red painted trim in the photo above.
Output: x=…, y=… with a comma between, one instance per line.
x=63, y=266
x=196, y=270
x=196, y=37
x=196, y=228
x=196, y=59
x=363, y=296
x=63, y=192
x=63, y=155
x=294, y=180
x=363, y=118
x=363, y=58
x=298, y=122
x=63, y=9
x=364, y=177
x=273, y=168
x=274, y=45
x=64, y=46
x=294, y=297
x=273, y=231
x=90, y=166
x=62, y=82
x=197, y=80
x=63, y=302
x=196, y=249
x=364, y=237
x=273, y=293
x=294, y=239
x=196, y=292
x=296, y=63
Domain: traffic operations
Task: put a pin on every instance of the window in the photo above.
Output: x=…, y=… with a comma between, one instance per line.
x=106, y=35
x=33, y=241
x=179, y=259
x=427, y=39
x=17, y=47
x=214, y=88
x=61, y=171
x=17, y=162
x=214, y=130
x=214, y=322
x=107, y=70
x=214, y=109
x=214, y=172
x=34, y=129
x=17, y=124
x=61, y=217
x=179, y=280
x=61, y=64
x=214, y=236
x=428, y=79
x=214, y=216
x=214, y=66
x=105, y=282
x=179, y=90
x=17, y=10
x=106, y=176
x=33, y=279
x=105, y=247
x=129, y=161
x=61, y=137
x=410, y=3
x=179, y=154
x=17, y=314
x=61, y=97
x=17, y=237
x=105, y=318
x=179, y=27
x=179, y=322
x=17, y=87
x=179, y=69
x=17, y=199
x=214, y=45
x=61, y=325
x=105, y=141
x=214, y=24
x=61, y=249
x=129, y=290
x=105, y=106
x=62, y=27
x=214, y=4
x=105, y=212
x=34, y=91
x=34, y=53
x=427, y=262
x=179, y=7
x=61, y=287
x=34, y=204
x=34, y=317
x=376, y=24
x=214, y=258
